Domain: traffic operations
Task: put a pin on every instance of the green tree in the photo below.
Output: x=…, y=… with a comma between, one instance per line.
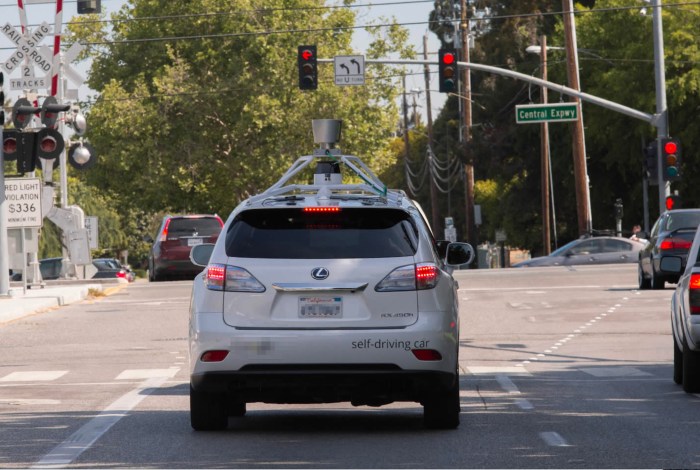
x=190, y=123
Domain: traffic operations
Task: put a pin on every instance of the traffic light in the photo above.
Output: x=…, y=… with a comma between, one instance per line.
x=89, y=6
x=671, y=159
x=651, y=163
x=673, y=202
x=22, y=113
x=447, y=68
x=308, y=69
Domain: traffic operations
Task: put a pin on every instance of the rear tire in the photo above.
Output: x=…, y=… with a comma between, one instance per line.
x=677, y=363
x=656, y=281
x=691, y=369
x=644, y=283
x=208, y=411
x=441, y=410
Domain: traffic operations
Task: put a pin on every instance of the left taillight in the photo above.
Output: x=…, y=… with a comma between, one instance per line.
x=411, y=277
x=675, y=244
x=225, y=277
x=121, y=274
x=694, y=294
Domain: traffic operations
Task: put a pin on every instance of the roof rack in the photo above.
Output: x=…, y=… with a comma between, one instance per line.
x=372, y=185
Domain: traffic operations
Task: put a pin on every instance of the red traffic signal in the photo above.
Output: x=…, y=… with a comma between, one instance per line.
x=673, y=202
x=671, y=159
x=50, y=109
x=308, y=67
x=447, y=70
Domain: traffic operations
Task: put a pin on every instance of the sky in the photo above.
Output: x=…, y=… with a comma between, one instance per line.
x=413, y=11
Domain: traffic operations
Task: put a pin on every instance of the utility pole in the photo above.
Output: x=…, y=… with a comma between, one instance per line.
x=406, y=140
x=544, y=156
x=583, y=198
x=466, y=128
x=434, y=206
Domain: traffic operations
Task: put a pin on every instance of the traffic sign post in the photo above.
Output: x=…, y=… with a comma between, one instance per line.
x=547, y=112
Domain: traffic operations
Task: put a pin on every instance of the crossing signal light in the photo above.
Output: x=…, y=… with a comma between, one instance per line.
x=447, y=68
x=22, y=113
x=308, y=67
x=20, y=146
x=671, y=159
x=673, y=202
x=50, y=109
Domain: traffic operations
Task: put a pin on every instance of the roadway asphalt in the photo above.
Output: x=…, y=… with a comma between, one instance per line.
x=20, y=302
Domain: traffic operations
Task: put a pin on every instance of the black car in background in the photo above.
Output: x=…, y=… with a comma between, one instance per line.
x=111, y=268
x=672, y=235
x=170, y=253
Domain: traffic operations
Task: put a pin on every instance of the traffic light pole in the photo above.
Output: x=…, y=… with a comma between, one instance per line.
x=4, y=242
x=661, y=107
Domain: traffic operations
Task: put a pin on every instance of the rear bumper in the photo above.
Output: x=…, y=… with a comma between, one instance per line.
x=176, y=267
x=372, y=385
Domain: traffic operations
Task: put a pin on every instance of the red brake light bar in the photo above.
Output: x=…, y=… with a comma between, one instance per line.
x=322, y=209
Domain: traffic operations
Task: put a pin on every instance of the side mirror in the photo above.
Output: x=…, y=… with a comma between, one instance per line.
x=148, y=239
x=672, y=264
x=200, y=254
x=459, y=254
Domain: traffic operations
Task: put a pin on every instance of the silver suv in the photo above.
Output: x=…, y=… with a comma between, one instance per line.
x=325, y=292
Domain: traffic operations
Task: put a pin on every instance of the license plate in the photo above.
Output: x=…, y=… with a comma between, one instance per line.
x=320, y=307
x=194, y=241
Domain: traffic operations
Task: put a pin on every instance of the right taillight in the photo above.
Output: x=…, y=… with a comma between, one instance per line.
x=410, y=277
x=694, y=294
x=229, y=278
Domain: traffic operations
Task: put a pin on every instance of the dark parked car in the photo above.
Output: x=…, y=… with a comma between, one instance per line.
x=671, y=235
x=170, y=254
x=110, y=268
x=593, y=250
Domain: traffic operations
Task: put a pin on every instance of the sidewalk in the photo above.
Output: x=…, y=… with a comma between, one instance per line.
x=55, y=294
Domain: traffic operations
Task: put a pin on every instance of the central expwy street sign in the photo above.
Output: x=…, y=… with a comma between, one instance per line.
x=554, y=112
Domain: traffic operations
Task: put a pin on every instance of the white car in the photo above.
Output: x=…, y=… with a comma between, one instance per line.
x=685, y=317
x=322, y=293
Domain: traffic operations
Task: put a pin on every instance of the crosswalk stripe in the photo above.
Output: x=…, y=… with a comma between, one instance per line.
x=33, y=376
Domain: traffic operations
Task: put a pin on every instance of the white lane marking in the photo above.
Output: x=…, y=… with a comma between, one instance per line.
x=131, y=374
x=621, y=371
x=485, y=370
x=90, y=432
x=524, y=404
x=507, y=384
x=28, y=401
x=34, y=376
x=553, y=439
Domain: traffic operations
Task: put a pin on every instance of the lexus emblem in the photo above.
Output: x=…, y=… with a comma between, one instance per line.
x=319, y=273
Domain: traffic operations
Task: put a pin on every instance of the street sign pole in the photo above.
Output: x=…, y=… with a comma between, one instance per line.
x=4, y=251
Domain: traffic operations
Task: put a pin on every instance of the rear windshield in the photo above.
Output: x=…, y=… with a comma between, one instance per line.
x=682, y=220
x=295, y=234
x=193, y=227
